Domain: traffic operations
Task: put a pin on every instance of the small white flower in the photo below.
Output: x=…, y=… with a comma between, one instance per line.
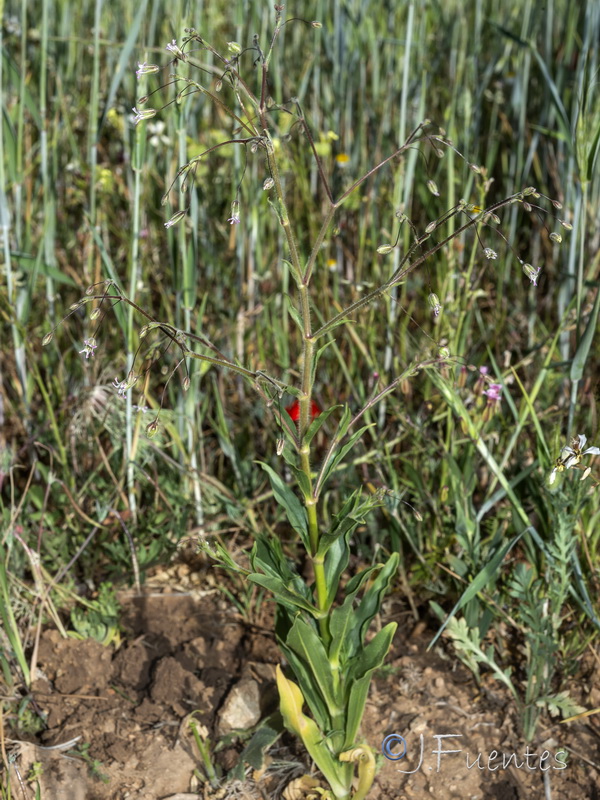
x=533, y=273
x=434, y=302
x=144, y=114
x=120, y=386
x=89, y=347
x=234, y=219
x=146, y=69
x=177, y=51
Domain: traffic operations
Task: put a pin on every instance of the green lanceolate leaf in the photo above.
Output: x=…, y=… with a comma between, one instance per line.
x=316, y=359
x=479, y=582
x=581, y=356
x=317, y=422
x=267, y=733
x=352, y=513
x=342, y=619
x=291, y=702
x=289, y=502
x=336, y=561
x=334, y=544
x=291, y=459
x=284, y=594
x=371, y=601
x=294, y=313
x=359, y=678
x=593, y=155
x=267, y=556
x=306, y=654
x=338, y=456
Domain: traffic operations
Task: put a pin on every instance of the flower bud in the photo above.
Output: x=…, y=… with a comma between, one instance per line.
x=491, y=217
x=586, y=473
x=384, y=249
x=146, y=69
x=177, y=217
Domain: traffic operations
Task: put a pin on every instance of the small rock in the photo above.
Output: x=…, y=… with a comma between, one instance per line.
x=241, y=709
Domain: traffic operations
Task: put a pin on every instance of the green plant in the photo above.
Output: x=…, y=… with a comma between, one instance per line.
x=203, y=743
x=99, y=619
x=93, y=764
x=322, y=622
x=534, y=598
x=534, y=604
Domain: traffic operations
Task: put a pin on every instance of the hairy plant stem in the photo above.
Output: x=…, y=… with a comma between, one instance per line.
x=305, y=399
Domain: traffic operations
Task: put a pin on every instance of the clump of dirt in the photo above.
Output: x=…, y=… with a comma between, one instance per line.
x=116, y=716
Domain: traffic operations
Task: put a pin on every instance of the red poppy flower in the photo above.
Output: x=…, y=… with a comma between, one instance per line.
x=294, y=410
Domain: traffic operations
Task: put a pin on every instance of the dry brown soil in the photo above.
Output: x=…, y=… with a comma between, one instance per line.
x=184, y=651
